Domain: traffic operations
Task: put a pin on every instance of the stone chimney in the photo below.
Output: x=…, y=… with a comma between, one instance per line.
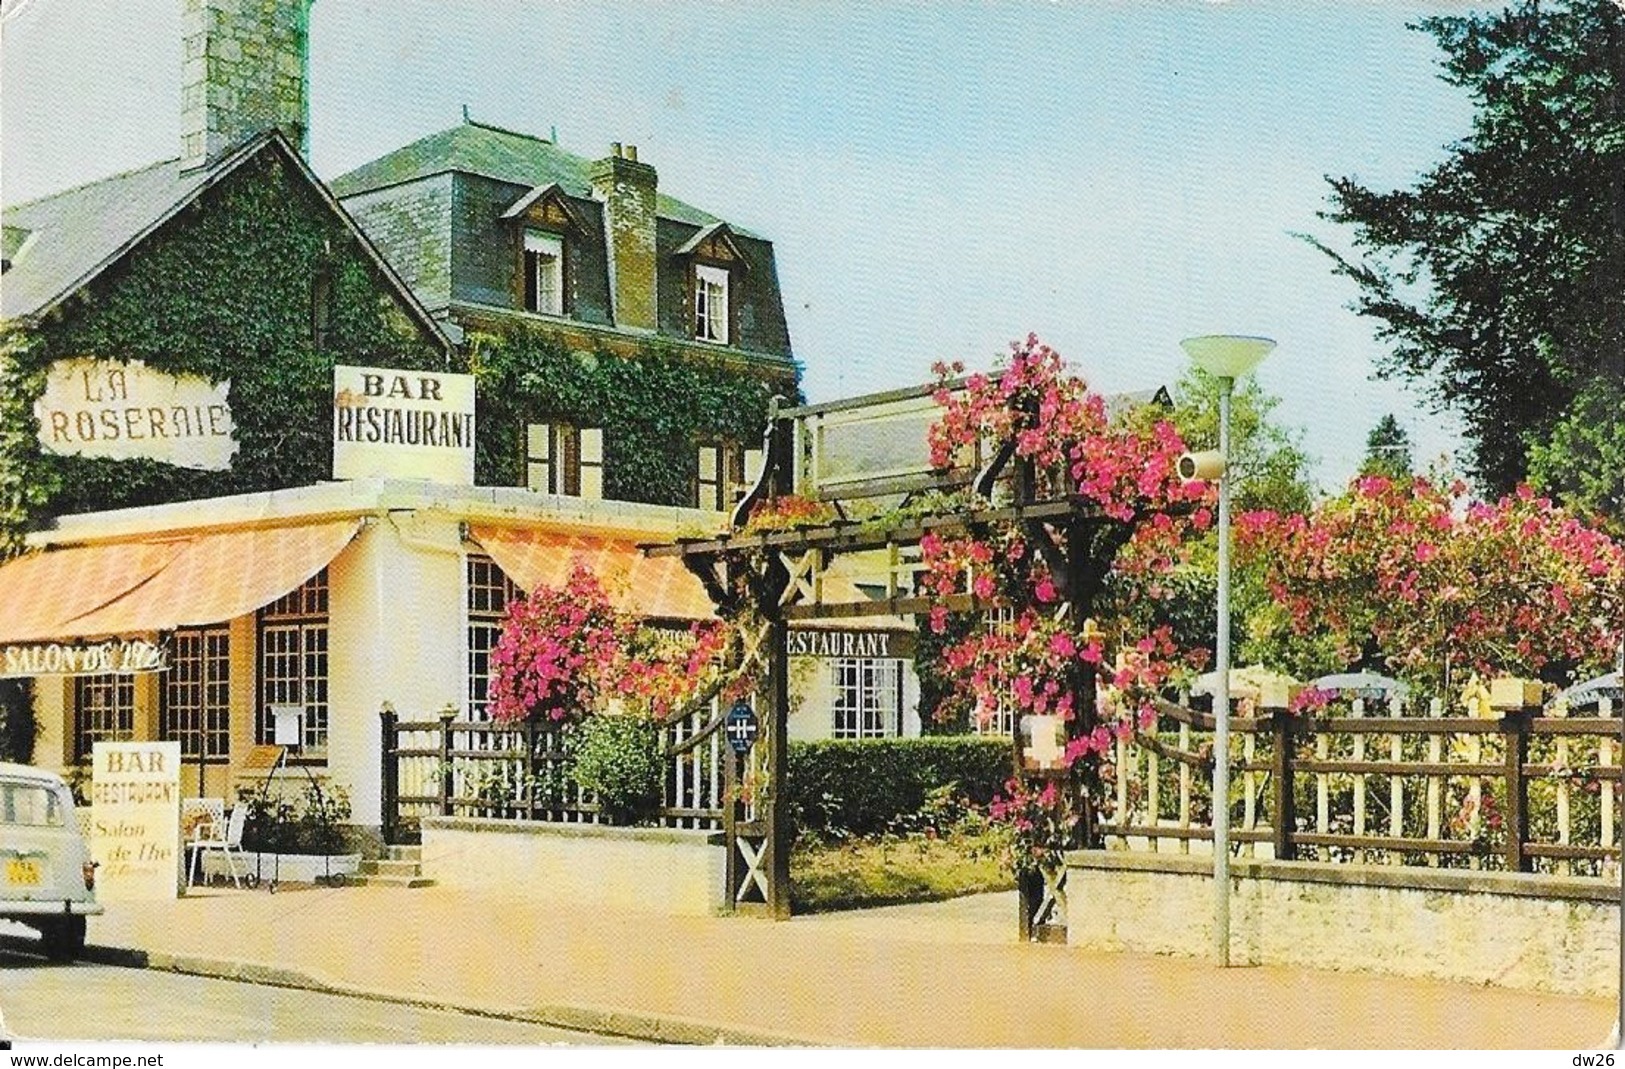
x=627, y=189
x=246, y=68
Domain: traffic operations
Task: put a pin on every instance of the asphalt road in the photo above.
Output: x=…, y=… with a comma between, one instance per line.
x=93, y=1002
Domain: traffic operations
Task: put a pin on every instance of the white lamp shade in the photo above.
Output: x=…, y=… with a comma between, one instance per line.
x=1229, y=356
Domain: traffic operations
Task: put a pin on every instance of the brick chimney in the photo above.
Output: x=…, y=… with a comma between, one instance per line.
x=246, y=68
x=627, y=189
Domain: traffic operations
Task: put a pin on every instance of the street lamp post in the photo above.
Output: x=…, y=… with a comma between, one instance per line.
x=1225, y=357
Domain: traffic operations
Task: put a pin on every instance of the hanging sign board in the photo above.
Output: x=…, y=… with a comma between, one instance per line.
x=823, y=642
x=122, y=409
x=135, y=826
x=741, y=727
x=403, y=425
x=118, y=656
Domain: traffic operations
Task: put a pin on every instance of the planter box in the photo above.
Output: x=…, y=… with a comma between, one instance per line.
x=284, y=868
x=650, y=870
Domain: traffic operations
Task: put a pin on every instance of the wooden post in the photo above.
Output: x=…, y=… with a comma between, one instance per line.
x=1284, y=810
x=778, y=765
x=389, y=776
x=1516, y=726
x=532, y=767
x=447, y=783
x=732, y=870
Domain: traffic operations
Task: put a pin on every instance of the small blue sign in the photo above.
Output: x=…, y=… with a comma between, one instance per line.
x=741, y=727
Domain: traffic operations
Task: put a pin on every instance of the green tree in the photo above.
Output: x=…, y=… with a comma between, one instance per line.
x=1270, y=468
x=1388, y=450
x=1271, y=473
x=1499, y=278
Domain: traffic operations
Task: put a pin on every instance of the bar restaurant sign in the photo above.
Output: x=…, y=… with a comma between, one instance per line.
x=122, y=409
x=117, y=657
x=135, y=819
x=403, y=425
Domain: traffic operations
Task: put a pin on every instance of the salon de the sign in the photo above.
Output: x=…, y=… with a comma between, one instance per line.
x=117, y=656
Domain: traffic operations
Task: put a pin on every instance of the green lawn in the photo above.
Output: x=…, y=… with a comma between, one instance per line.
x=890, y=869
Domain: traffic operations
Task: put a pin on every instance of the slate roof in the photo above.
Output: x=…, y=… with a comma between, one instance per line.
x=507, y=156
x=73, y=234
x=64, y=240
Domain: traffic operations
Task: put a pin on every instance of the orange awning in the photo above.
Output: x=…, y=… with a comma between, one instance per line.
x=40, y=591
x=646, y=586
x=120, y=588
x=220, y=576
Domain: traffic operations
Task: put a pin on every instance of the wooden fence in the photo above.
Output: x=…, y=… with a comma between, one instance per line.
x=448, y=767
x=1382, y=783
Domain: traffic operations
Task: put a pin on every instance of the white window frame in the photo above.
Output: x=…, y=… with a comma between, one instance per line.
x=725, y=473
x=866, y=697
x=1001, y=719
x=711, y=303
x=564, y=459
x=544, y=272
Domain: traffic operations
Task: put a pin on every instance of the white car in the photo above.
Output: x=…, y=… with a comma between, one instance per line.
x=47, y=880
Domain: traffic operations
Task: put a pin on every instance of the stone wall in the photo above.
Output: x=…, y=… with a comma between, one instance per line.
x=1517, y=930
x=653, y=870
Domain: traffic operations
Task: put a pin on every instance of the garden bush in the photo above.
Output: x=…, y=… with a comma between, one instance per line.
x=312, y=824
x=867, y=786
x=618, y=758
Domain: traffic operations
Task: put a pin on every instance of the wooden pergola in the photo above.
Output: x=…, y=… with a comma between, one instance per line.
x=767, y=581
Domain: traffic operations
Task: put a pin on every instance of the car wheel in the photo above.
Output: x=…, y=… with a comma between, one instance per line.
x=63, y=937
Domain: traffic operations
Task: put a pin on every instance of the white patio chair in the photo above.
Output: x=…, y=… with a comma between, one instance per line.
x=201, y=818
x=225, y=839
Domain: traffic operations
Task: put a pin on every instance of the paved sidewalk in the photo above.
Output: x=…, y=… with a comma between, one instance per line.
x=942, y=974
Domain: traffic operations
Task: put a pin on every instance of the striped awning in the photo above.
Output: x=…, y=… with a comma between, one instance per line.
x=40, y=592
x=122, y=588
x=654, y=587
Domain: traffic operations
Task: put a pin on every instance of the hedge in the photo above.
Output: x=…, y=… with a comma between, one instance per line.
x=862, y=785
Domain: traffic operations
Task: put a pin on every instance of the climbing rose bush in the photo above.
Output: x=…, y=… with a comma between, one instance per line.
x=565, y=652
x=1440, y=586
x=1127, y=471
x=1042, y=646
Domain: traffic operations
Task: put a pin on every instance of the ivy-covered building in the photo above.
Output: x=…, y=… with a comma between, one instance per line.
x=628, y=342
x=173, y=342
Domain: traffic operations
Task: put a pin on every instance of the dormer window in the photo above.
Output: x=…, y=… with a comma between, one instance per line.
x=544, y=273
x=711, y=303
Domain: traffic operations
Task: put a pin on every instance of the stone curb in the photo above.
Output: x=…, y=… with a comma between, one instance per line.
x=599, y=1020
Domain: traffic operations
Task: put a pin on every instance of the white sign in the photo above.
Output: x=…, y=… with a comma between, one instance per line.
x=403, y=425
x=813, y=642
x=122, y=409
x=119, y=656
x=135, y=826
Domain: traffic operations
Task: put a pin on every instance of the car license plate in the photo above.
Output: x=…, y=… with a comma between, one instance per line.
x=24, y=871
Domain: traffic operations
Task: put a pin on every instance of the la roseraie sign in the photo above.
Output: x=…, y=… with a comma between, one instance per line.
x=119, y=410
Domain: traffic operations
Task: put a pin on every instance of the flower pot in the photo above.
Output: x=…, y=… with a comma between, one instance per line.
x=1278, y=693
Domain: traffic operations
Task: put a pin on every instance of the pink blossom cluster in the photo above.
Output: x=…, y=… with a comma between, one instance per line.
x=1441, y=584
x=564, y=652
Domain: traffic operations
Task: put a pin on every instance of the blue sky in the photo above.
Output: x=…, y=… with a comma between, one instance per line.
x=937, y=178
